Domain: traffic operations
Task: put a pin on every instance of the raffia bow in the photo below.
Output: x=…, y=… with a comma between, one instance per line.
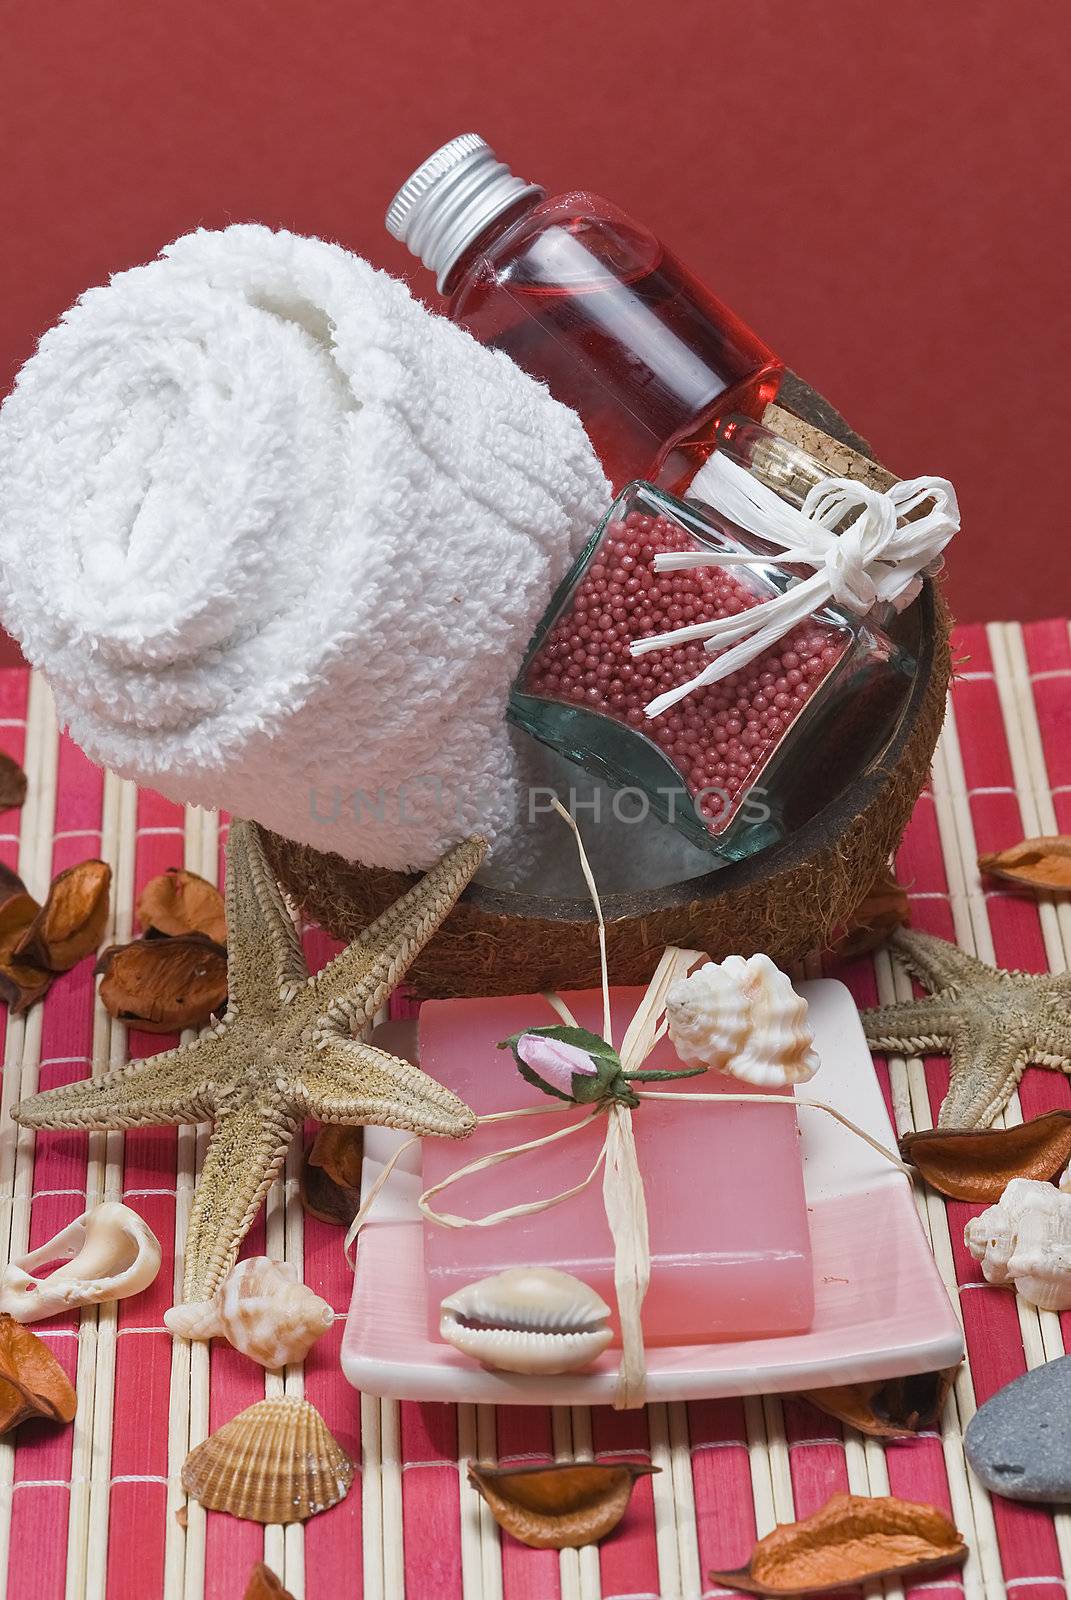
x=622, y=1189
x=889, y=539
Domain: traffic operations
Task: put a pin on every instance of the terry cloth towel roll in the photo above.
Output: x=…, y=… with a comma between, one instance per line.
x=278, y=537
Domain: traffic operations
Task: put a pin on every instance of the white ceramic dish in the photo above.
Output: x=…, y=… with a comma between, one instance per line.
x=880, y=1306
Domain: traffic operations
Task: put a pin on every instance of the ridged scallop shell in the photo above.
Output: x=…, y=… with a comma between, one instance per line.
x=534, y=1320
x=275, y=1462
x=780, y=1044
x=707, y=1017
x=262, y=1308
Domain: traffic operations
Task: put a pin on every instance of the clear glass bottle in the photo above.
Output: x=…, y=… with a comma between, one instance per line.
x=591, y=303
x=738, y=764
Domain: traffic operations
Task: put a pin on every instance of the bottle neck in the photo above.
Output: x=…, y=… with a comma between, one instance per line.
x=486, y=239
x=453, y=200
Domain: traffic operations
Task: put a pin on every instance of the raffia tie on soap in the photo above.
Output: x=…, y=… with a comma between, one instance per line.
x=623, y=1192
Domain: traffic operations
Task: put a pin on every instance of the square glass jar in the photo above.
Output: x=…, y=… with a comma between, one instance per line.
x=736, y=765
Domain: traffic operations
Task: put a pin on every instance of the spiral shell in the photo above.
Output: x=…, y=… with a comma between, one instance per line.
x=262, y=1308
x=1025, y=1240
x=275, y=1462
x=744, y=1018
x=708, y=1016
x=779, y=1048
x=528, y=1319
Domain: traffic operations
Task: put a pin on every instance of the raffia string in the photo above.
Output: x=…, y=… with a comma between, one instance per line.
x=623, y=1194
x=887, y=539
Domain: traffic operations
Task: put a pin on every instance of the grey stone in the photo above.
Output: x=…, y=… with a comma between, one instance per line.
x=1019, y=1442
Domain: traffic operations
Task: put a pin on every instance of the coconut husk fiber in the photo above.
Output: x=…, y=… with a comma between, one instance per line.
x=786, y=901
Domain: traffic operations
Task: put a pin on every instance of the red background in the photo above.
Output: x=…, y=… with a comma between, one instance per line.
x=880, y=188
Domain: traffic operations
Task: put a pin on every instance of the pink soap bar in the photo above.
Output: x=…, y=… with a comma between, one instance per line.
x=730, y=1249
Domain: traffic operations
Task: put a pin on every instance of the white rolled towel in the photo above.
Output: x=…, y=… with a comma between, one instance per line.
x=278, y=537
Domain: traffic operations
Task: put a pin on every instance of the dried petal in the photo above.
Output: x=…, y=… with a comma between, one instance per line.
x=850, y=1541
x=164, y=985
x=264, y=1585
x=331, y=1175
x=977, y=1164
x=32, y=1382
x=559, y=1507
x=71, y=922
x=21, y=985
x=884, y=909
x=889, y=1408
x=12, y=783
x=17, y=905
x=1042, y=864
x=20, y=982
x=179, y=902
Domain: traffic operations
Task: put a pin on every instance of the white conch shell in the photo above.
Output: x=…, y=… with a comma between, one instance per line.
x=1025, y=1239
x=744, y=1018
x=262, y=1308
x=108, y=1253
x=707, y=1017
x=528, y=1319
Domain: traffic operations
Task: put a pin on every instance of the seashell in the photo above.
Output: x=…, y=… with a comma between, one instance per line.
x=274, y=1462
x=707, y=1015
x=744, y=1018
x=777, y=1047
x=535, y=1320
x=1025, y=1240
x=108, y=1253
x=262, y=1308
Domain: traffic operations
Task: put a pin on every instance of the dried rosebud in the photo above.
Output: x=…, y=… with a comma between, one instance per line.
x=555, y=1061
x=852, y=1540
x=559, y=1507
x=178, y=902
x=32, y=1382
x=72, y=920
x=164, y=985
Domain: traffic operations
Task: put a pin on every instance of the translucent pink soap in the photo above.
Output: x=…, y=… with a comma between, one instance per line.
x=730, y=1249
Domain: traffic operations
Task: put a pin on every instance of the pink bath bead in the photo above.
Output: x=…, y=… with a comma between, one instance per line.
x=720, y=735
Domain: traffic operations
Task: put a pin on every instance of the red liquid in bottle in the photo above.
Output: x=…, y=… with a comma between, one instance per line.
x=595, y=306
x=591, y=303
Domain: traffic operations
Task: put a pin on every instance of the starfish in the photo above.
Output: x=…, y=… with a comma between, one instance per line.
x=288, y=1047
x=992, y=1022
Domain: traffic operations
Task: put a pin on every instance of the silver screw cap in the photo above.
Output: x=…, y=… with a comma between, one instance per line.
x=450, y=199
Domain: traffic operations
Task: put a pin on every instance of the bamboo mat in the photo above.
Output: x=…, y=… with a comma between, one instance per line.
x=91, y=1510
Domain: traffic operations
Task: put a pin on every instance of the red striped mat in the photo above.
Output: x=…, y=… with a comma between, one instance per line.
x=91, y=1510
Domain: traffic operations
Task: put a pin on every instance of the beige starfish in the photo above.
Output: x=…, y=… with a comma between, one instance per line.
x=288, y=1048
x=993, y=1023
